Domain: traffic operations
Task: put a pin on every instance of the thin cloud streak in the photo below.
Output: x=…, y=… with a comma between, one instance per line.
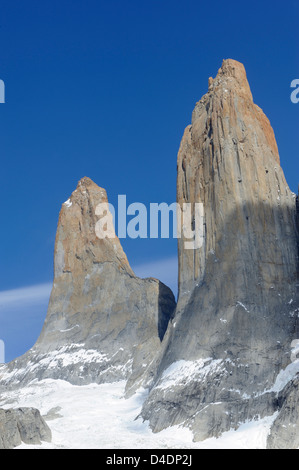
x=25, y=295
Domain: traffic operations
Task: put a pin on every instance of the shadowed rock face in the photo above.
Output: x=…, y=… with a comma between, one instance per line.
x=103, y=322
x=237, y=310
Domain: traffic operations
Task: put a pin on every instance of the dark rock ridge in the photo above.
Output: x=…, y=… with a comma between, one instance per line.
x=103, y=323
x=22, y=425
x=224, y=354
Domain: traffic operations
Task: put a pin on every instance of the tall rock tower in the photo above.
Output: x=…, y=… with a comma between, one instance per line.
x=103, y=323
x=238, y=294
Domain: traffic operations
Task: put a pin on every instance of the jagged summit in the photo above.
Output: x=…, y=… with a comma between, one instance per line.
x=230, y=93
x=231, y=75
x=77, y=247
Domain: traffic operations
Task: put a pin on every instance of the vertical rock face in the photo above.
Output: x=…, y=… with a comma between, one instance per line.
x=238, y=294
x=103, y=323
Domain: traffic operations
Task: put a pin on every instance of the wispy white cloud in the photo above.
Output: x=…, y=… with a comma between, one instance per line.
x=22, y=314
x=30, y=295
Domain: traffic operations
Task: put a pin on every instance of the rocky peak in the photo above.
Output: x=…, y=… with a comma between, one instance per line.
x=238, y=293
x=231, y=77
x=103, y=323
x=228, y=160
x=77, y=245
x=230, y=101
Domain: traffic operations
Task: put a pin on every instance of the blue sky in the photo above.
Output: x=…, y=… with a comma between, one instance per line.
x=105, y=90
